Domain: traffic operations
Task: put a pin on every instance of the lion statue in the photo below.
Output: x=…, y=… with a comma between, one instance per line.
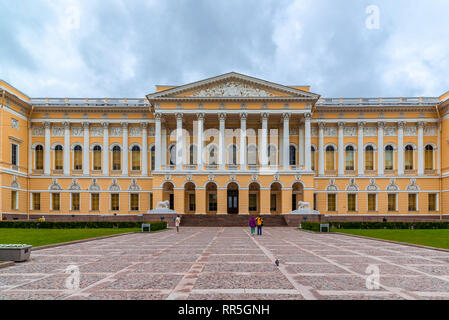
x=303, y=205
x=163, y=204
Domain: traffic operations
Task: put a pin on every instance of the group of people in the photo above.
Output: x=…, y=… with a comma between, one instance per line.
x=256, y=223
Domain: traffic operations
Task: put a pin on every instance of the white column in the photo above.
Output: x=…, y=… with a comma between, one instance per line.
x=307, y=142
x=341, y=157
x=105, y=149
x=301, y=146
x=200, y=143
x=144, y=148
x=158, y=144
x=420, y=148
x=401, y=126
x=321, y=149
x=286, y=141
x=47, y=146
x=30, y=152
x=264, y=141
x=380, y=148
x=86, y=149
x=360, y=153
x=125, y=149
x=179, y=144
x=281, y=144
x=221, y=143
x=66, y=148
x=163, y=160
x=243, y=117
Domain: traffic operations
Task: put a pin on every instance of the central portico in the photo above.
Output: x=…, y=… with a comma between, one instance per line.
x=232, y=144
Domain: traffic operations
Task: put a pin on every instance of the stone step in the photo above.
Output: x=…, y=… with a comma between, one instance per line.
x=229, y=221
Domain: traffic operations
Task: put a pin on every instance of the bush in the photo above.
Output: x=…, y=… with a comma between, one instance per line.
x=155, y=225
x=315, y=226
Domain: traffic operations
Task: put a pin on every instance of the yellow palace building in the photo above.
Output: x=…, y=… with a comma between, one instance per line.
x=231, y=144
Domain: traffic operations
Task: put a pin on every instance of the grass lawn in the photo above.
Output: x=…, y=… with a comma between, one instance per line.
x=438, y=238
x=41, y=237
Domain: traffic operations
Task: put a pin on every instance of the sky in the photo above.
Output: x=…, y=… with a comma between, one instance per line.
x=123, y=48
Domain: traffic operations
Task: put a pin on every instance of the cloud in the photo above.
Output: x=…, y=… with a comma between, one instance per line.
x=79, y=48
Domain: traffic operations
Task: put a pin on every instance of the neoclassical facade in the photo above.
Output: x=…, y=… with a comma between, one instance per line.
x=231, y=144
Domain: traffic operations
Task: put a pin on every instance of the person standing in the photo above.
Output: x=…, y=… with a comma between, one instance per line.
x=259, y=225
x=177, y=223
x=252, y=224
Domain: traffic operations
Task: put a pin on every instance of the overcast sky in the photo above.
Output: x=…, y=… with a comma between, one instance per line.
x=123, y=48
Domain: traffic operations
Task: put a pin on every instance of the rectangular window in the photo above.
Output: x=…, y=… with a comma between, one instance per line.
x=151, y=201
x=392, y=202
x=14, y=151
x=78, y=160
x=55, y=201
x=134, y=202
x=14, y=200
x=59, y=162
x=252, y=202
x=115, y=202
x=192, y=205
x=97, y=160
x=372, y=199
x=95, y=202
x=352, y=202
x=315, y=201
x=412, y=202
x=369, y=160
x=36, y=201
x=75, y=202
x=332, y=202
x=212, y=202
x=330, y=161
x=432, y=202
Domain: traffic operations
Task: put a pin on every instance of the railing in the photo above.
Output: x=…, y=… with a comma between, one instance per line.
x=212, y=167
x=89, y=102
x=378, y=101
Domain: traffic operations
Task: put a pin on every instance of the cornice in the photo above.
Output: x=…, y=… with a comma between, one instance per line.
x=92, y=109
x=9, y=97
x=376, y=108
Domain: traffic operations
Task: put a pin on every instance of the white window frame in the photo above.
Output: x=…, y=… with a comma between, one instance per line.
x=90, y=202
x=327, y=201
x=17, y=198
x=51, y=201
x=138, y=202
x=17, y=153
x=396, y=201
x=437, y=208
x=356, y=202
x=110, y=201
x=71, y=202
x=377, y=202
x=416, y=201
x=101, y=156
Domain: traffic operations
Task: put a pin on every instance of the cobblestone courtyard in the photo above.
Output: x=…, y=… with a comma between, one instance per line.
x=227, y=263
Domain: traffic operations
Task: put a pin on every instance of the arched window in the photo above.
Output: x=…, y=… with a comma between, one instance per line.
x=116, y=158
x=172, y=154
x=389, y=158
x=428, y=156
x=153, y=157
x=330, y=160
x=272, y=155
x=292, y=156
x=78, y=158
x=408, y=157
x=349, y=158
x=39, y=158
x=312, y=158
x=252, y=155
x=232, y=155
x=59, y=158
x=135, y=158
x=369, y=158
x=97, y=158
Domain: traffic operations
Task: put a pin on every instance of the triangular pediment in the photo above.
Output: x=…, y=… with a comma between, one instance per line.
x=233, y=86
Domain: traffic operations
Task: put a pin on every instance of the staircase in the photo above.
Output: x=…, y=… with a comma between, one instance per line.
x=229, y=221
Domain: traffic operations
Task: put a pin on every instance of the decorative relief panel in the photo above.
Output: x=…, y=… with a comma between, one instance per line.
x=151, y=131
x=14, y=123
x=135, y=132
x=77, y=131
x=410, y=131
x=232, y=89
x=350, y=131
x=294, y=131
x=330, y=131
x=57, y=131
x=314, y=131
x=116, y=131
x=38, y=131
x=370, y=131
x=430, y=131
x=96, y=131
x=390, y=131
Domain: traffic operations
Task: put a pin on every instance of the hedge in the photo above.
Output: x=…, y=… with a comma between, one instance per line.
x=315, y=226
x=155, y=225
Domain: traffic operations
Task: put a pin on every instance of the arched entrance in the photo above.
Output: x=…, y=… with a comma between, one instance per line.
x=168, y=194
x=276, y=198
x=211, y=198
x=254, y=198
x=297, y=195
x=233, y=198
x=189, y=198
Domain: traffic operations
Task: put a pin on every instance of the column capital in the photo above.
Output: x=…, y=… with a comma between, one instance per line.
x=179, y=116
x=381, y=124
x=105, y=125
x=222, y=116
x=86, y=125
x=321, y=124
x=361, y=124
x=341, y=124
x=144, y=125
x=421, y=124
x=286, y=116
x=243, y=116
x=200, y=116
x=158, y=116
x=308, y=116
x=125, y=125
x=401, y=124
x=66, y=125
x=47, y=125
x=264, y=116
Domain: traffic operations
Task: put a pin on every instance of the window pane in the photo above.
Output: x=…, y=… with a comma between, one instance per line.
x=134, y=202
x=351, y=202
x=388, y=160
x=115, y=202
x=253, y=202
x=192, y=205
x=429, y=159
x=136, y=160
x=39, y=158
x=391, y=202
x=116, y=158
x=78, y=159
x=372, y=202
x=330, y=160
x=14, y=154
x=412, y=202
x=14, y=200
x=95, y=202
x=273, y=202
x=409, y=159
x=36, y=201
x=55, y=197
x=58, y=159
x=432, y=202
x=97, y=159
x=331, y=202
x=369, y=160
x=212, y=202
x=75, y=201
